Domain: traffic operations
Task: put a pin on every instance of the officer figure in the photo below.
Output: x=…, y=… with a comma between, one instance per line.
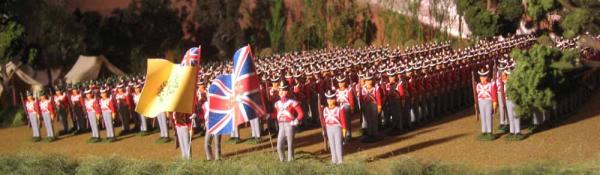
x=486, y=97
x=288, y=114
x=334, y=118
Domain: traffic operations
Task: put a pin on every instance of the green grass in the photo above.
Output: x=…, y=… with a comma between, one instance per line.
x=265, y=163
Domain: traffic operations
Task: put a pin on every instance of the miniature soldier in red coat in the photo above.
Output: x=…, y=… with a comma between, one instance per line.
x=372, y=105
x=107, y=107
x=345, y=99
x=334, y=118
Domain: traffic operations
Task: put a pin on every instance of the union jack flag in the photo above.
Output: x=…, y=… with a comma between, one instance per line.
x=234, y=98
x=192, y=57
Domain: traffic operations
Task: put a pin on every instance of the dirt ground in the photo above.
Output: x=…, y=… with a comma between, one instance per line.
x=451, y=140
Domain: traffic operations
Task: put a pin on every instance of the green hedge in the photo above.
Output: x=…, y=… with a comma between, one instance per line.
x=12, y=117
x=261, y=163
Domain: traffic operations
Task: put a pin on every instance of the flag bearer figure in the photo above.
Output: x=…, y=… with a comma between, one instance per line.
x=47, y=111
x=208, y=138
x=92, y=109
x=372, y=106
x=513, y=120
x=288, y=113
x=137, y=93
x=61, y=105
x=336, y=126
x=486, y=98
x=107, y=106
x=345, y=98
x=33, y=113
x=183, y=125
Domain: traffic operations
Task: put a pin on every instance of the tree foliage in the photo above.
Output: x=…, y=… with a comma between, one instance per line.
x=219, y=31
x=582, y=16
x=537, y=9
x=486, y=23
x=10, y=33
x=539, y=77
x=275, y=25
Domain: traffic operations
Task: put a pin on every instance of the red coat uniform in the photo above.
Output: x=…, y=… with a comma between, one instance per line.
x=124, y=99
x=487, y=91
x=286, y=110
x=334, y=117
x=32, y=107
x=345, y=97
x=61, y=101
x=46, y=106
x=107, y=105
x=91, y=105
x=76, y=100
x=372, y=95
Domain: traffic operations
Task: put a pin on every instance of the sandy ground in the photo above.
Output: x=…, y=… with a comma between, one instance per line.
x=451, y=140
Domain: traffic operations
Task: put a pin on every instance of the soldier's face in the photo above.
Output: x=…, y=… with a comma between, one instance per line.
x=504, y=77
x=283, y=93
x=30, y=98
x=104, y=95
x=88, y=95
x=137, y=90
x=58, y=93
x=342, y=84
x=74, y=91
x=331, y=101
x=392, y=79
x=483, y=79
x=120, y=90
x=43, y=97
x=369, y=83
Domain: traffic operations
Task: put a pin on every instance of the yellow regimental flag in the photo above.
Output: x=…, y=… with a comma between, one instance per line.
x=169, y=87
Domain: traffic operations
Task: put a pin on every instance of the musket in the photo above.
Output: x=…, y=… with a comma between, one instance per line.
x=475, y=100
x=320, y=111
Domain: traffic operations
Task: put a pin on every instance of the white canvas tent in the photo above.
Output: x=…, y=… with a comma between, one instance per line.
x=89, y=68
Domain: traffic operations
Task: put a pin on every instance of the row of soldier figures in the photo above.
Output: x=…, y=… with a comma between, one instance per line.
x=396, y=90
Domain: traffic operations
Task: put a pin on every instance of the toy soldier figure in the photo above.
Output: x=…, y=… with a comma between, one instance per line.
x=487, y=101
x=137, y=93
x=501, y=93
x=513, y=120
x=395, y=93
x=289, y=114
x=372, y=106
x=92, y=109
x=208, y=138
x=33, y=113
x=77, y=109
x=107, y=108
x=47, y=111
x=183, y=125
x=345, y=98
x=334, y=118
x=124, y=106
x=61, y=105
x=201, y=99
